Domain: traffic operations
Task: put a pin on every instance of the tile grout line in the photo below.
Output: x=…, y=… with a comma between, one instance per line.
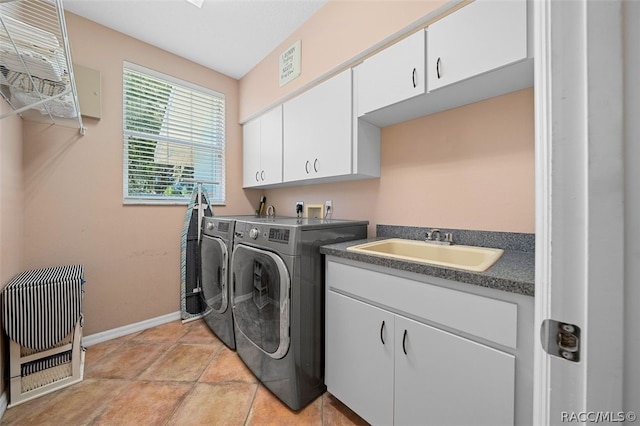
x=253, y=401
x=193, y=384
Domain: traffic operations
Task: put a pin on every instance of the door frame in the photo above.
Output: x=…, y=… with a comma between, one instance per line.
x=579, y=112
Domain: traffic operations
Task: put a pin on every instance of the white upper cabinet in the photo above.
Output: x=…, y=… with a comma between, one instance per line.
x=392, y=75
x=480, y=37
x=271, y=146
x=251, y=153
x=322, y=137
x=262, y=149
x=477, y=52
x=331, y=132
x=317, y=131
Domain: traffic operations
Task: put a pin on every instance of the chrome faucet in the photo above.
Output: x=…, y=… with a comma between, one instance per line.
x=271, y=211
x=434, y=237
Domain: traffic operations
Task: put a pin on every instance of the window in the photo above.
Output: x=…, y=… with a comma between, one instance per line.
x=173, y=137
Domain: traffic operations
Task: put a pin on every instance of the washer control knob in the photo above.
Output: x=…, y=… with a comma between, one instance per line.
x=253, y=233
x=210, y=226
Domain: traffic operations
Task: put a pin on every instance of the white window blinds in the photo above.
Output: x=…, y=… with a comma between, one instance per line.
x=173, y=137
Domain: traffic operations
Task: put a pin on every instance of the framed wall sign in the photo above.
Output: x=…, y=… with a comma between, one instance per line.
x=289, y=64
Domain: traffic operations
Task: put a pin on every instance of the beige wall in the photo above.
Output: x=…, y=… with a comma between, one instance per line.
x=11, y=212
x=338, y=32
x=11, y=219
x=470, y=168
x=466, y=168
x=73, y=191
x=475, y=174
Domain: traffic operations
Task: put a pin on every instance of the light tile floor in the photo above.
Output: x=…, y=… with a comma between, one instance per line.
x=173, y=374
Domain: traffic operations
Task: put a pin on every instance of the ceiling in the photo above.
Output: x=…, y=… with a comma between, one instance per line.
x=229, y=36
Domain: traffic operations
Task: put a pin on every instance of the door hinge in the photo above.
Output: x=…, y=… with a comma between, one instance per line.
x=561, y=339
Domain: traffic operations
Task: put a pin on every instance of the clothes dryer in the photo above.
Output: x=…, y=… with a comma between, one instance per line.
x=278, y=301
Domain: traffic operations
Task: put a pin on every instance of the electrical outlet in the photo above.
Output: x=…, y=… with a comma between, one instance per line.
x=328, y=208
x=299, y=208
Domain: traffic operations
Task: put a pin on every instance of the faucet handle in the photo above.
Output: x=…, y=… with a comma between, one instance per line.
x=271, y=211
x=433, y=235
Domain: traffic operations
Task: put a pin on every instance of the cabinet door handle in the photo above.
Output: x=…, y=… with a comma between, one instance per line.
x=438, y=68
x=381, y=330
x=413, y=78
x=257, y=179
x=306, y=166
x=315, y=165
x=404, y=341
x=262, y=175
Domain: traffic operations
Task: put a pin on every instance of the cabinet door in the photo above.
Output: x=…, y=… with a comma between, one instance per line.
x=359, y=357
x=482, y=36
x=317, y=131
x=443, y=379
x=262, y=149
x=251, y=153
x=271, y=146
x=392, y=75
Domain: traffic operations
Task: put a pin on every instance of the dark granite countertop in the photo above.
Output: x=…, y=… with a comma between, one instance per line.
x=513, y=272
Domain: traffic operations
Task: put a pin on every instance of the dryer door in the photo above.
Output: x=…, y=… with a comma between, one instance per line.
x=214, y=257
x=261, y=285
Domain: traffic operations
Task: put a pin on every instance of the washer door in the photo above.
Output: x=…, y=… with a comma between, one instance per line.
x=261, y=285
x=213, y=258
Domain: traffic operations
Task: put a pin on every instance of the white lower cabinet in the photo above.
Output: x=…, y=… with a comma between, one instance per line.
x=443, y=379
x=360, y=353
x=391, y=369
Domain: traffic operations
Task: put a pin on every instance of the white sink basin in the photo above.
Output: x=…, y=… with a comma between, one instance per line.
x=477, y=259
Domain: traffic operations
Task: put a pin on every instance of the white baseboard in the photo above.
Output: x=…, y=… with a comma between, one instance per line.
x=3, y=404
x=128, y=329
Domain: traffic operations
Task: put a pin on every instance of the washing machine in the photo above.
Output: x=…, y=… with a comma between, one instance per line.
x=216, y=245
x=278, y=301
